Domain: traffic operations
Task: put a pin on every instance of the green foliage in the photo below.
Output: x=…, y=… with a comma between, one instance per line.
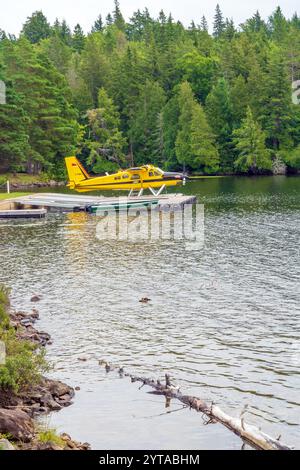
x=219, y=23
x=53, y=78
x=36, y=27
x=13, y=121
x=220, y=117
x=145, y=124
x=249, y=141
x=50, y=436
x=24, y=361
x=195, y=142
x=292, y=158
x=276, y=103
x=51, y=125
x=78, y=38
x=106, y=140
x=199, y=71
x=98, y=25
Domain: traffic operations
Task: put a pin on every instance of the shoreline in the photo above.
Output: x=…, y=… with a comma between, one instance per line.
x=18, y=411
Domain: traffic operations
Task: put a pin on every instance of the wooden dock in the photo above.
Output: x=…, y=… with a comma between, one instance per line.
x=22, y=213
x=58, y=202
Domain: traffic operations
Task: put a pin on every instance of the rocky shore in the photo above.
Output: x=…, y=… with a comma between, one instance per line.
x=18, y=410
x=20, y=186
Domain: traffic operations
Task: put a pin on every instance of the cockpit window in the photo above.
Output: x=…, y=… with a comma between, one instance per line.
x=125, y=176
x=135, y=176
x=157, y=174
x=150, y=173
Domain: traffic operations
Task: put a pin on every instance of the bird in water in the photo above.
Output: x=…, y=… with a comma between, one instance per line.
x=144, y=300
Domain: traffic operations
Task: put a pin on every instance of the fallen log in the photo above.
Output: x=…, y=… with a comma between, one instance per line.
x=248, y=433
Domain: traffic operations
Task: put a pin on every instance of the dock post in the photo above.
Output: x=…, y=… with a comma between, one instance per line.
x=8, y=187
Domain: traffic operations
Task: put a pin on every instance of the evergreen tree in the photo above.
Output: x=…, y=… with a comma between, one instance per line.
x=109, y=20
x=204, y=24
x=183, y=139
x=13, y=121
x=58, y=52
x=203, y=144
x=170, y=116
x=118, y=19
x=255, y=24
x=220, y=118
x=36, y=27
x=62, y=31
x=106, y=142
x=219, y=24
x=94, y=67
x=195, y=144
x=229, y=29
x=275, y=107
x=249, y=142
x=2, y=35
x=78, y=38
x=278, y=25
x=52, y=126
x=98, y=25
x=144, y=123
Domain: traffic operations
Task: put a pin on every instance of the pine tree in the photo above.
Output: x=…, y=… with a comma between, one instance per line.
x=219, y=24
x=203, y=144
x=183, y=146
x=220, y=118
x=195, y=142
x=13, y=122
x=58, y=52
x=275, y=106
x=249, y=140
x=2, y=35
x=36, y=27
x=94, y=67
x=143, y=124
x=52, y=126
x=98, y=25
x=78, y=38
x=204, y=24
x=107, y=142
x=170, y=115
x=118, y=19
x=278, y=25
x=109, y=20
x=229, y=29
x=62, y=31
x=255, y=24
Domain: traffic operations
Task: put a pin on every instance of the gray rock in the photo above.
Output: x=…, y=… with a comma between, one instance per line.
x=16, y=423
x=6, y=445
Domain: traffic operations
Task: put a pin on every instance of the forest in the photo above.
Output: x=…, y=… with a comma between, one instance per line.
x=208, y=99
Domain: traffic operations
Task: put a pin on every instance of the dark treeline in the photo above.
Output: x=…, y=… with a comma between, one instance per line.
x=151, y=90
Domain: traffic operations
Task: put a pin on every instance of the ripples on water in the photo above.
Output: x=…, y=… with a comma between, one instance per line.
x=224, y=320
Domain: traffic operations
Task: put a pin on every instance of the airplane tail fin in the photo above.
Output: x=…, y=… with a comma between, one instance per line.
x=76, y=172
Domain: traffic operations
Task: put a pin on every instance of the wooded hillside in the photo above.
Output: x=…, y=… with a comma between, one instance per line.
x=151, y=90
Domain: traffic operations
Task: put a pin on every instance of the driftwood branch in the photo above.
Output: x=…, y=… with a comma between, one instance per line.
x=248, y=433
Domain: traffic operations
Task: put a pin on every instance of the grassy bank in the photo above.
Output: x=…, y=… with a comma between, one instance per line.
x=4, y=196
x=23, y=178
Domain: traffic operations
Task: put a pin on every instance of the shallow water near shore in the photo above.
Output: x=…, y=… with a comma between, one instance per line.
x=224, y=319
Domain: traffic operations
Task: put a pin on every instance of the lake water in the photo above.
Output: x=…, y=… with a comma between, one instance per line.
x=224, y=320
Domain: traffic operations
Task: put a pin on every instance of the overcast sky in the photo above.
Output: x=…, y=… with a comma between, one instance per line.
x=15, y=12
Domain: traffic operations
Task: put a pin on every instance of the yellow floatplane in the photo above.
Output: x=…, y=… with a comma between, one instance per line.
x=134, y=180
